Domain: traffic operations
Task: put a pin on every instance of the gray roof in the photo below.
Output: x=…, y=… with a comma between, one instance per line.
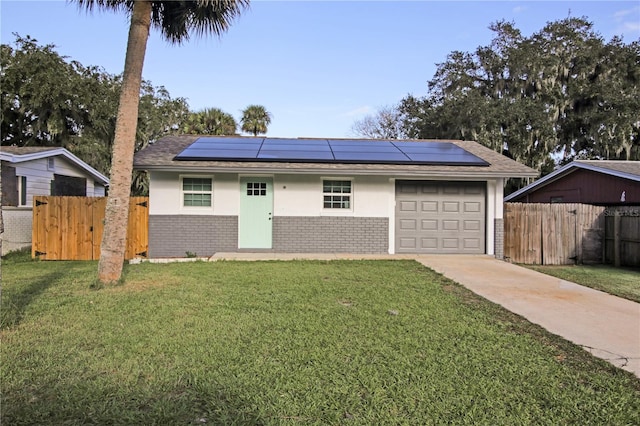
x=22, y=150
x=622, y=169
x=160, y=156
x=626, y=169
x=21, y=154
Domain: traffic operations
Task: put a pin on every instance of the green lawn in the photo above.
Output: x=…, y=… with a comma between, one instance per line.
x=623, y=282
x=286, y=343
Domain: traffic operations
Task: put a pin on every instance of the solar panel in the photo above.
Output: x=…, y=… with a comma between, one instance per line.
x=328, y=151
x=303, y=142
x=323, y=156
x=373, y=147
x=295, y=147
x=371, y=157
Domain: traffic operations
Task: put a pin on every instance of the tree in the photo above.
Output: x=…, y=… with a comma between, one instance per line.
x=50, y=100
x=561, y=93
x=210, y=121
x=385, y=124
x=175, y=20
x=255, y=119
x=41, y=95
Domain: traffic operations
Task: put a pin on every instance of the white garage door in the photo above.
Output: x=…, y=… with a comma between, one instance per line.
x=440, y=217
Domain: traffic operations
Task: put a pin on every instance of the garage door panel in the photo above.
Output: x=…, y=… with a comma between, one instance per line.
x=408, y=206
x=451, y=190
x=450, y=243
x=471, y=207
x=472, y=225
x=471, y=243
x=408, y=224
x=440, y=217
x=428, y=189
x=429, y=206
x=407, y=188
x=429, y=243
x=407, y=243
x=428, y=225
x=451, y=206
x=450, y=225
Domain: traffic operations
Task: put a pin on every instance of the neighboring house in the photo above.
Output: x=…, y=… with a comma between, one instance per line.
x=599, y=182
x=29, y=171
x=217, y=194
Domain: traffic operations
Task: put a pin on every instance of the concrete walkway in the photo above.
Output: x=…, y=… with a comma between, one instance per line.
x=605, y=325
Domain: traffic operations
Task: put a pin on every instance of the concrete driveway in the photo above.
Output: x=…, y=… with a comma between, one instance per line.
x=605, y=325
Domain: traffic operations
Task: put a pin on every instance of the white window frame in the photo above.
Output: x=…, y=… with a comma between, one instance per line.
x=183, y=192
x=337, y=210
x=51, y=163
x=23, y=186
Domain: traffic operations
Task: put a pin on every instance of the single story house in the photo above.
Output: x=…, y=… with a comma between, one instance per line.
x=228, y=194
x=29, y=171
x=598, y=182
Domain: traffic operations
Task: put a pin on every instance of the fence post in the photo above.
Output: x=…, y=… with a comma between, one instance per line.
x=616, y=239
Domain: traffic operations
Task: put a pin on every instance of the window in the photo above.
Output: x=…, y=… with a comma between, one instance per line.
x=196, y=192
x=23, y=190
x=68, y=185
x=336, y=194
x=555, y=200
x=256, y=189
x=51, y=163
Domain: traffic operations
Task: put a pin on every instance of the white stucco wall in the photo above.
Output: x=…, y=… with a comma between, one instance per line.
x=301, y=195
x=495, y=194
x=293, y=195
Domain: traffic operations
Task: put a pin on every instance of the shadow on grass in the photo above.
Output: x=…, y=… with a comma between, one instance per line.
x=14, y=305
x=83, y=401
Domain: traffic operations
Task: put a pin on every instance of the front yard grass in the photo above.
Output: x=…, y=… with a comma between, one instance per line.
x=284, y=343
x=623, y=282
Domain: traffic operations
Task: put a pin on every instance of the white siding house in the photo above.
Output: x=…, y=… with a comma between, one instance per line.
x=32, y=171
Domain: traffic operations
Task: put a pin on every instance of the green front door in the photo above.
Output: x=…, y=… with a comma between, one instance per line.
x=256, y=213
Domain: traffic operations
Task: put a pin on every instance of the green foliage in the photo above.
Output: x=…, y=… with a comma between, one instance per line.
x=177, y=19
x=255, y=119
x=368, y=342
x=561, y=93
x=50, y=101
x=41, y=99
x=210, y=121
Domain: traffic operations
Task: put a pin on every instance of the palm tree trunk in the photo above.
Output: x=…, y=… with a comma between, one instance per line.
x=114, y=237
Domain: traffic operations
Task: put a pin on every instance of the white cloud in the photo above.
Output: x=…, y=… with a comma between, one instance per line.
x=622, y=13
x=628, y=21
x=519, y=9
x=363, y=110
x=632, y=26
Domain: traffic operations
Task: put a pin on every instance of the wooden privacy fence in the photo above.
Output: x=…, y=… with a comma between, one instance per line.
x=553, y=234
x=622, y=236
x=70, y=228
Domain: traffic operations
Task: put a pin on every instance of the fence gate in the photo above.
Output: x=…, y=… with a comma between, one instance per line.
x=553, y=234
x=70, y=228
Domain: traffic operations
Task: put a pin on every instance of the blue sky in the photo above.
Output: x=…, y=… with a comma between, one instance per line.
x=316, y=66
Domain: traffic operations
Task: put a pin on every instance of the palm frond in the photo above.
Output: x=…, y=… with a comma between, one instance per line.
x=177, y=19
